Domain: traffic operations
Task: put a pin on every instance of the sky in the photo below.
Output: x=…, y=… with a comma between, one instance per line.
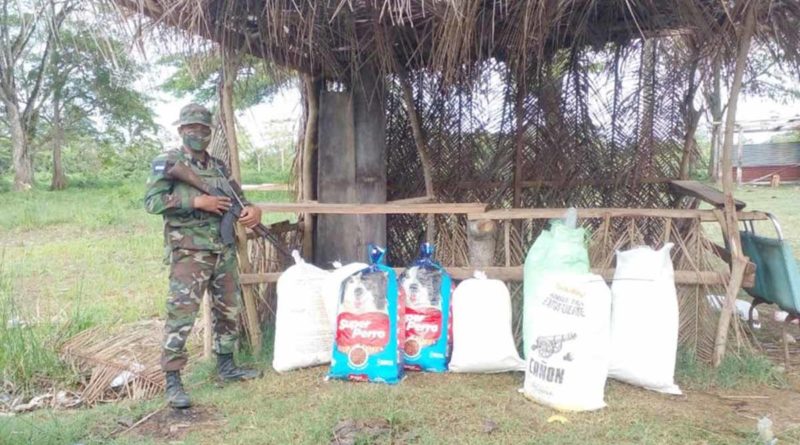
x=286, y=105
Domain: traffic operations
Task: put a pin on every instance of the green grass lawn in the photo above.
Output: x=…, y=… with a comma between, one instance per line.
x=88, y=256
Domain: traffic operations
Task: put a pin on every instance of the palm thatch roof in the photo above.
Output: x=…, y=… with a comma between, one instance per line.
x=333, y=38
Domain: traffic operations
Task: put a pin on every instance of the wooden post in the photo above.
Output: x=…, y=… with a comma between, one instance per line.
x=312, y=88
x=481, y=238
x=352, y=168
x=738, y=260
x=248, y=293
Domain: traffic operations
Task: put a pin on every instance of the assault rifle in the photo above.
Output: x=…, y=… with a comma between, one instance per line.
x=182, y=172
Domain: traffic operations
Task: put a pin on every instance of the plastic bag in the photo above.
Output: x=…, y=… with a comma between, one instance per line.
x=559, y=250
x=482, y=337
x=644, y=320
x=369, y=325
x=426, y=289
x=303, y=333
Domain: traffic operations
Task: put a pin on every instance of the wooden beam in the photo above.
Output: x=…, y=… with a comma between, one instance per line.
x=370, y=209
x=703, y=215
x=515, y=273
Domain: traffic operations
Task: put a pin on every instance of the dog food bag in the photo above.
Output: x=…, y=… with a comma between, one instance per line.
x=482, y=337
x=426, y=288
x=332, y=287
x=369, y=325
x=644, y=319
x=561, y=249
x=567, y=365
x=303, y=333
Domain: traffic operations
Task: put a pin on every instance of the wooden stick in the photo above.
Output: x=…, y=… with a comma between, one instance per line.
x=739, y=262
x=139, y=422
x=265, y=187
x=208, y=326
x=248, y=294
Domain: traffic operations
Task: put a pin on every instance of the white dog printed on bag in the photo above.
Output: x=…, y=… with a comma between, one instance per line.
x=421, y=288
x=361, y=296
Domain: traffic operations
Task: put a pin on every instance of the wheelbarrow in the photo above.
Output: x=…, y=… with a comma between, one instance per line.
x=777, y=275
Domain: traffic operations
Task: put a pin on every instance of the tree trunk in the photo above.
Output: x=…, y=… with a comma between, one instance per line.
x=647, y=103
x=738, y=260
x=59, y=181
x=23, y=162
x=692, y=117
x=714, y=100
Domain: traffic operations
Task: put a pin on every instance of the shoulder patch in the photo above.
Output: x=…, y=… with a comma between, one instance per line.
x=159, y=164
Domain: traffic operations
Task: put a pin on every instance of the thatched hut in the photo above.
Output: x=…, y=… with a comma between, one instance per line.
x=515, y=104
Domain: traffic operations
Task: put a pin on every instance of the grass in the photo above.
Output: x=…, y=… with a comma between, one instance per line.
x=91, y=255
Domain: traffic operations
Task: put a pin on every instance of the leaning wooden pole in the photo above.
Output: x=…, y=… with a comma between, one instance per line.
x=312, y=87
x=422, y=148
x=738, y=260
x=231, y=62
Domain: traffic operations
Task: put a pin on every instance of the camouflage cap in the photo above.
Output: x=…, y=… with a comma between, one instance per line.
x=194, y=114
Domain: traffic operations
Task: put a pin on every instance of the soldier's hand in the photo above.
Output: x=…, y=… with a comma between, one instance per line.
x=212, y=204
x=250, y=216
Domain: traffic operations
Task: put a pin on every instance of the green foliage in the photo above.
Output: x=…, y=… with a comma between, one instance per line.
x=736, y=372
x=198, y=76
x=791, y=136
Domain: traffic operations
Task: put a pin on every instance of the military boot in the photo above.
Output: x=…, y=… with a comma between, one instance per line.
x=228, y=371
x=176, y=396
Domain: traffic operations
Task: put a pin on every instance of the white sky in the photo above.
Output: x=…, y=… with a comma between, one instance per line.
x=286, y=105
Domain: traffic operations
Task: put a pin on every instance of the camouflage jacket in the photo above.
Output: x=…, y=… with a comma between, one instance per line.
x=184, y=226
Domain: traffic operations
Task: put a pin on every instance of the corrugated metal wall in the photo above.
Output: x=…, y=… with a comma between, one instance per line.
x=770, y=154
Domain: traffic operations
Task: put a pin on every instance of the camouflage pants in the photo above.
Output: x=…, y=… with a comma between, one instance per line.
x=192, y=272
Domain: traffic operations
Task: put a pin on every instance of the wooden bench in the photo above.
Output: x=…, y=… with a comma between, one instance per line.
x=702, y=192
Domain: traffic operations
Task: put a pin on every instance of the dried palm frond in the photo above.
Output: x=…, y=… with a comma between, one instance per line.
x=121, y=361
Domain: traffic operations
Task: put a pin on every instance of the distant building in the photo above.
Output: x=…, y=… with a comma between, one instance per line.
x=759, y=162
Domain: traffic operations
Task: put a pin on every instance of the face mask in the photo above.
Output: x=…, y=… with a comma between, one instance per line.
x=196, y=141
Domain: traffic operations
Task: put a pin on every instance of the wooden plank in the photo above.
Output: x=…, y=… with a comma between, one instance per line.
x=702, y=191
x=369, y=124
x=266, y=187
x=703, y=215
x=749, y=279
x=336, y=177
x=388, y=208
x=586, y=213
x=515, y=274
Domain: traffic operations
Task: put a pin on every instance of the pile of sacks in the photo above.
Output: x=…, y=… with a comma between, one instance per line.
x=577, y=331
x=372, y=325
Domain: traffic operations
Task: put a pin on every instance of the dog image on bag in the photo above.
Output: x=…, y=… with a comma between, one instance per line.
x=360, y=296
x=425, y=287
x=421, y=288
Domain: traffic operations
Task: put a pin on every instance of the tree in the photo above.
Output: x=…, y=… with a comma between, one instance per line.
x=27, y=34
x=91, y=79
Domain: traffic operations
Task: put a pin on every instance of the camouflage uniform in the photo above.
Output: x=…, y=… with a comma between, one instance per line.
x=198, y=259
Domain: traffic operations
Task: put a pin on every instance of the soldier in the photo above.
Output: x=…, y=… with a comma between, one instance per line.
x=197, y=257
